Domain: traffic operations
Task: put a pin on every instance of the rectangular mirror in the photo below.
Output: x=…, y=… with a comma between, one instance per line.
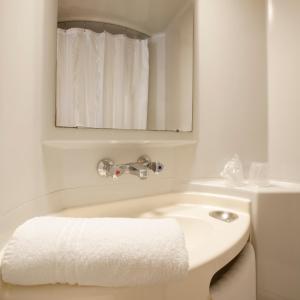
x=125, y=64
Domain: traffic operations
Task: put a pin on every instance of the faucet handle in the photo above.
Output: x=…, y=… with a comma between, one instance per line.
x=117, y=172
x=156, y=166
x=105, y=167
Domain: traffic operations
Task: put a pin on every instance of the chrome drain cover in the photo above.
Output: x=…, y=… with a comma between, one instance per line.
x=224, y=216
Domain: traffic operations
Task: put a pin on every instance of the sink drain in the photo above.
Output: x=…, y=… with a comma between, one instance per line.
x=224, y=216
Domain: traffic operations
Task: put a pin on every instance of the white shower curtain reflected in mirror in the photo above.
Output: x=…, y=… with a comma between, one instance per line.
x=102, y=80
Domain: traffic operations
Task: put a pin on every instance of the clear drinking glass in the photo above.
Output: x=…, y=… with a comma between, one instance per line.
x=259, y=174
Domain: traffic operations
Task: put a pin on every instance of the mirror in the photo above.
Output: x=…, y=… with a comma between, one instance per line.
x=125, y=64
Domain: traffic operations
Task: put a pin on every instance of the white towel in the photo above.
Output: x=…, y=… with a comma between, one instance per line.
x=108, y=252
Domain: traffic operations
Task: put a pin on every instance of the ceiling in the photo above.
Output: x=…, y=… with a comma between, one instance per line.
x=149, y=16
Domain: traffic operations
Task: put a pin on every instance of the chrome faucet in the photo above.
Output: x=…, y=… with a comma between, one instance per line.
x=140, y=168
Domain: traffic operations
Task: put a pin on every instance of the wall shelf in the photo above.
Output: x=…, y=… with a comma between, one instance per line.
x=88, y=144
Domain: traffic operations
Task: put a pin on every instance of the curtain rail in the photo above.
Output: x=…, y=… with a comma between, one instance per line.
x=102, y=26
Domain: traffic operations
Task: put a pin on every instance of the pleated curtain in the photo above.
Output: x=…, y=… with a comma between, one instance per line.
x=102, y=80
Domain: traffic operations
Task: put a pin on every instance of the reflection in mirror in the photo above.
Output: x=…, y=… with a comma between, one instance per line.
x=125, y=64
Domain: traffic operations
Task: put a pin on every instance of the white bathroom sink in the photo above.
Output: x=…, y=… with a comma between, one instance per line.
x=207, y=238
x=211, y=243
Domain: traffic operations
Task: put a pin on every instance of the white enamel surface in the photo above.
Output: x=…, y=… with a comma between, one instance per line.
x=275, y=234
x=275, y=218
x=211, y=244
x=240, y=280
x=204, y=234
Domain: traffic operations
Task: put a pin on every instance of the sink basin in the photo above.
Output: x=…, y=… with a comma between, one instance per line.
x=211, y=244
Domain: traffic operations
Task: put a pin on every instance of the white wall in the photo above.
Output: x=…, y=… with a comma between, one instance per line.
x=284, y=89
x=25, y=83
x=83, y=186
x=231, y=113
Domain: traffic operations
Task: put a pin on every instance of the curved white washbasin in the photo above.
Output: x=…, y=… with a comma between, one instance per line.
x=211, y=244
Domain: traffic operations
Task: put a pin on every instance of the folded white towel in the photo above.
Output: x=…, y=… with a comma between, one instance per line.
x=106, y=252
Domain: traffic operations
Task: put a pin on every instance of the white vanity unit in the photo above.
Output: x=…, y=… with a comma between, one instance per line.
x=274, y=234
x=211, y=244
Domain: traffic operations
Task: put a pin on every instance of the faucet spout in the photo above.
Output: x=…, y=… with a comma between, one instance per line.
x=138, y=170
